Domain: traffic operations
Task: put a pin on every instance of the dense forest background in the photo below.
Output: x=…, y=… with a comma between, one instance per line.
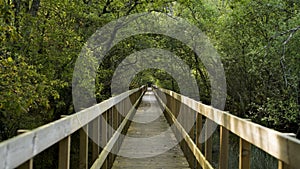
x=258, y=41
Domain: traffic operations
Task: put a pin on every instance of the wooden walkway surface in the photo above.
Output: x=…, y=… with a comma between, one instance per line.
x=149, y=139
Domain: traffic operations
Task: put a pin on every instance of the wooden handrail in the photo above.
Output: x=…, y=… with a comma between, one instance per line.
x=17, y=150
x=281, y=146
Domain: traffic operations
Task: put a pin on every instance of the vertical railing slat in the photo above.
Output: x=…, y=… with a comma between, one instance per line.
x=224, y=141
x=64, y=153
x=83, y=147
x=244, y=154
x=208, y=142
x=282, y=165
x=95, y=146
x=198, y=134
x=103, y=136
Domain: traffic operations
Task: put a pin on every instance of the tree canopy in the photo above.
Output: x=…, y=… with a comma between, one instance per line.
x=258, y=41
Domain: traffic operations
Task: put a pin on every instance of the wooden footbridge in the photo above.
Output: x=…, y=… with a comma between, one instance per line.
x=126, y=125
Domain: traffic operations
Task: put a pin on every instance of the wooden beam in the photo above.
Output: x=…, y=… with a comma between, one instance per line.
x=208, y=142
x=83, y=147
x=198, y=135
x=224, y=142
x=282, y=165
x=244, y=154
x=199, y=127
x=95, y=139
x=64, y=153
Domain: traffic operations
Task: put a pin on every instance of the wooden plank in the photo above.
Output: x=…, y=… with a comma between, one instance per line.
x=277, y=144
x=160, y=156
x=244, y=154
x=15, y=151
x=223, y=154
x=83, y=147
x=64, y=153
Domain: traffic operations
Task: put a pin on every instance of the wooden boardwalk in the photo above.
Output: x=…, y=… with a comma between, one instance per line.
x=150, y=143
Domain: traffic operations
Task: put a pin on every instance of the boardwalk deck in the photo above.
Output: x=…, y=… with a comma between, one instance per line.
x=150, y=143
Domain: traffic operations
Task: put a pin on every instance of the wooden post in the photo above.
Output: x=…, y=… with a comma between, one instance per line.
x=198, y=130
x=83, y=148
x=103, y=135
x=110, y=134
x=198, y=133
x=224, y=141
x=208, y=142
x=95, y=146
x=64, y=153
x=244, y=154
x=28, y=164
x=282, y=165
x=115, y=127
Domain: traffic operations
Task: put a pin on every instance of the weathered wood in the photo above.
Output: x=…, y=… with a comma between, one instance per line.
x=282, y=165
x=198, y=130
x=198, y=135
x=224, y=143
x=109, y=135
x=115, y=127
x=277, y=144
x=208, y=142
x=244, y=154
x=95, y=138
x=83, y=147
x=103, y=137
x=18, y=150
x=28, y=164
x=158, y=156
x=64, y=153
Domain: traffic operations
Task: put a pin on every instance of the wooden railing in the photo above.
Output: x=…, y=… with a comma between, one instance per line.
x=21, y=150
x=279, y=145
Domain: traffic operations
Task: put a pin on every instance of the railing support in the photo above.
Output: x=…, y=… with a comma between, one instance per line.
x=282, y=165
x=95, y=146
x=103, y=136
x=64, y=153
x=223, y=157
x=83, y=148
x=198, y=134
x=208, y=143
x=244, y=154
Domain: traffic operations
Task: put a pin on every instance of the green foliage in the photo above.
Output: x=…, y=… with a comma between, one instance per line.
x=257, y=40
